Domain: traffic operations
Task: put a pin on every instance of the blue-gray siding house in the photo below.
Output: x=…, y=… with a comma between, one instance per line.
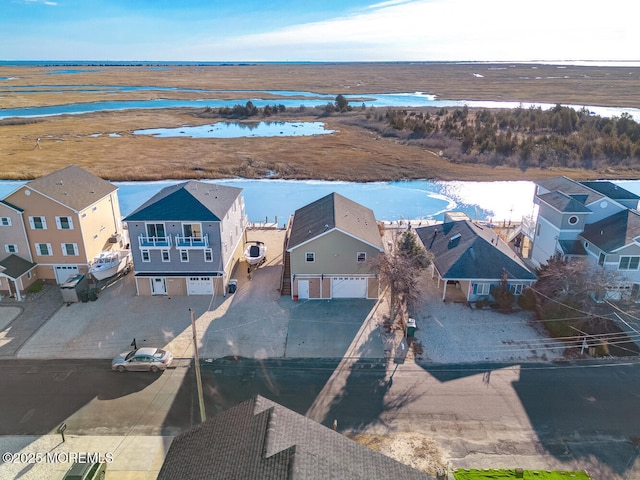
x=187, y=239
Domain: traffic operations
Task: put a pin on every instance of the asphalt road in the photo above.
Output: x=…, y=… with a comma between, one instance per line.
x=580, y=416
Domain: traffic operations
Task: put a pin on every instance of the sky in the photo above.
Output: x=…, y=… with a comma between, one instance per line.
x=319, y=30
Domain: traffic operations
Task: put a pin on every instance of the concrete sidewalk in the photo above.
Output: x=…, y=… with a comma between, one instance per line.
x=39, y=457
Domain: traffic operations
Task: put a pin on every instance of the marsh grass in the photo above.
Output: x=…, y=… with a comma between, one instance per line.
x=357, y=151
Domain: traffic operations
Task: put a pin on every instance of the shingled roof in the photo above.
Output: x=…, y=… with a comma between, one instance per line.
x=262, y=439
x=187, y=201
x=465, y=250
x=73, y=187
x=334, y=212
x=611, y=190
x=14, y=266
x=563, y=203
x=582, y=193
x=615, y=231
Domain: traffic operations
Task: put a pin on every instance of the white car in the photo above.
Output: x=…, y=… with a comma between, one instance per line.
x=142, y=359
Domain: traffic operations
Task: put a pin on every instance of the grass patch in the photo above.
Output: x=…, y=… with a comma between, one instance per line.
x=35, y=287
x=498, y=474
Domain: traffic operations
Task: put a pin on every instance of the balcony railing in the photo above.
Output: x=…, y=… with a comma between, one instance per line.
x=192, y=242
x=154, y=242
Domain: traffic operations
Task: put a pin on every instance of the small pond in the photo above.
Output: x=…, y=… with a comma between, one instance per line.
x=241, y=129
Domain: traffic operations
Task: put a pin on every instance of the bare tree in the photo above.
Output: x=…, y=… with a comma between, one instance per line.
x=399, y=270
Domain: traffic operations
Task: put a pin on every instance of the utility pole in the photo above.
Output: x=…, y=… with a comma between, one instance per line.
x=203, y=415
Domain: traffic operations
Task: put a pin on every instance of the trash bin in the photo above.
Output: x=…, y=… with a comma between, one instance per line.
x=74, y=289
x=411, y=327
x=233, y=284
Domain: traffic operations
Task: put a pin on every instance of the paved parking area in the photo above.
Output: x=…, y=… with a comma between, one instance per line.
x=253, y=322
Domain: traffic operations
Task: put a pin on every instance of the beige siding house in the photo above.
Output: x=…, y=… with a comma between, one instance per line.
x=69, y=217
x=330, y=244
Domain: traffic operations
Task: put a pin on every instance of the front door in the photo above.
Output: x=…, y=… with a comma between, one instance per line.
x=158, y=286
x=303, y=289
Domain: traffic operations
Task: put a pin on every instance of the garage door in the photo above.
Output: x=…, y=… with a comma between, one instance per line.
x=200, y=286
x=349, y=287
x=63, y=272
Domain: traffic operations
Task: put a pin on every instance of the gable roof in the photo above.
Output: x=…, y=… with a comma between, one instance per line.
x=73, y=187
x=333, y=212
x=187, y=201
x=580, y=192
x=465, y=250
x=615, y=231
x=611, y=190
x=14, y=266
x=262, y=439
x=563, y=203
x=11, y=206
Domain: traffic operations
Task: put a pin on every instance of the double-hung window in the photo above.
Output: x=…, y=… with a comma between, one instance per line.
x=11, y=248
x=38, y=223
x=70, y=249
x=310, y=256
x=5, y=222
x=64, y=223
x=44, y=249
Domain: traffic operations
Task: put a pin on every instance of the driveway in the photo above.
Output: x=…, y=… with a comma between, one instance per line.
x=253, y=322
x=455, y=333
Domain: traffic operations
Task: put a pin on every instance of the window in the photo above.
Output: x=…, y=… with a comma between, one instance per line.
x=310, y=256
x=43, y=249
x=516, y=288
x=601, y=259
x=362, y=257
x=155, y=230
x=208, y=255
x=481, y=288
x=538, y=229
x=64, y=223
x=165, y=256
x=184, y=255
x=629, y=263
x=69, y=249
x=573, y=220
x=5, y=222
x=145, y=255
x=192, y=230
x=38, y=223
x=11, y=248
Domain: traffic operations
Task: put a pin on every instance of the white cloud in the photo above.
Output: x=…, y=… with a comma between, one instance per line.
x=43, y=2
x=446, y=30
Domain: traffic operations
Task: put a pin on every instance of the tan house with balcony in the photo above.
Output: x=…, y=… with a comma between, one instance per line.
x=329, y=246
x=67, y=218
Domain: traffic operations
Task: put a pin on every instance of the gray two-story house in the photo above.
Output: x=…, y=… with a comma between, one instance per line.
x=594, y=221
x=187, y=239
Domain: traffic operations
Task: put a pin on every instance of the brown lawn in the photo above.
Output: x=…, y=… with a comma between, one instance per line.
x=352, y=153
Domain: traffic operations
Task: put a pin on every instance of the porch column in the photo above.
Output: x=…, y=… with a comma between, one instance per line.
x=15, y=285
x=444, y=290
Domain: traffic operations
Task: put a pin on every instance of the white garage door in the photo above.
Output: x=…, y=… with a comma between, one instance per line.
x=63, y=272
x=200, y=286
x=349, y=287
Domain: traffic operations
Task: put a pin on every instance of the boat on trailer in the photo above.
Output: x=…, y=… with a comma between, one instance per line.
x=110, y=263
x=256, y=254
